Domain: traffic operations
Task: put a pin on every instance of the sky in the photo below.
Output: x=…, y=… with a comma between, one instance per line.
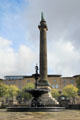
x=19, y=36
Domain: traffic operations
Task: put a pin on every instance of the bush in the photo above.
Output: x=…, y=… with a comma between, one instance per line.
x=71, y=92
x=55, y=93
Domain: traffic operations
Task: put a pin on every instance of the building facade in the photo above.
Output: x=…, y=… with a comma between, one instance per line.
x=56, y=81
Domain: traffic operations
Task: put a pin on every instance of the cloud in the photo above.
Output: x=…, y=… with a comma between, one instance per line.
x=26, y=60
x=4, y=43
x=15, y=63
x=11, y=21
x=7, y=57
x=20, y=27
x=62, y=17
x=63, y=58
x=63, y=20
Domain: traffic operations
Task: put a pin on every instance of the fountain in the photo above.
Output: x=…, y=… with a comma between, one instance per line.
x=42, y=99
x=36, y=104
x=37, y=92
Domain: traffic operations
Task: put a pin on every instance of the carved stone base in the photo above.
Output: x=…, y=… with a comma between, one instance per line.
x=48, y=100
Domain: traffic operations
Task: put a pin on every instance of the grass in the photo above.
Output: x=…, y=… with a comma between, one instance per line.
x=63, y=115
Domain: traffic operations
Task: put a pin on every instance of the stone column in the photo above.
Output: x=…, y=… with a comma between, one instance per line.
x=43, y=53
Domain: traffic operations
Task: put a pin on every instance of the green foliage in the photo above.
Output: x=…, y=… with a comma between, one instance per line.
x=25, y=95
x=1, y=81
x=12, y=91
x=8, y=91
x=28, y=86
x=55, y=93
x=70, y=91
x=3, y=89
x=78, y=83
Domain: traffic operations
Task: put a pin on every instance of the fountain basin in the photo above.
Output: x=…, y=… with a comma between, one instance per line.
x=37, y=92
x=34, y=109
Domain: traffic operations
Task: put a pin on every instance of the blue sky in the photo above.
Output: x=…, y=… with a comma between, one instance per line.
x=11, y=26
x=19, y=36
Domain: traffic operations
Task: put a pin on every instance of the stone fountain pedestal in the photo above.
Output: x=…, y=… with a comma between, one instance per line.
x=47, y=98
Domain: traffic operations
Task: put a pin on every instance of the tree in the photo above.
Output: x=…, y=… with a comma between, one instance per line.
x=71, y=92
x=55, y=93
x=29, y=86
x=25, y=96
x=1, y=81
x=12, y=91
x=3, y=89
x=3, y=92
x=78, y=83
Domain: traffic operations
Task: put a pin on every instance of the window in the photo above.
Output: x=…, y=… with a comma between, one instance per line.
x=54, y=81
x=5, y=81
x=13, y=77
x=28, y=81
x=64, y=82
x=10, y=82
x=57, y=85
x=72, y=81
x=13, y=81
x=53, y=86
x=19, y=84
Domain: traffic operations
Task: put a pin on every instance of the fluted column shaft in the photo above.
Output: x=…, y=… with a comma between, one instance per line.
x=43, y=54
x=43, y=51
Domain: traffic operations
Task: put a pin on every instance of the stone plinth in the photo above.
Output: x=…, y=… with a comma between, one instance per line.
x=48, y=100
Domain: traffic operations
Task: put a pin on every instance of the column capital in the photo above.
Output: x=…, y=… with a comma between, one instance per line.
x=43, y=25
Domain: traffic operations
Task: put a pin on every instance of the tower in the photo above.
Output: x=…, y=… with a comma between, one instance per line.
x=43, y=52
x=43, y=82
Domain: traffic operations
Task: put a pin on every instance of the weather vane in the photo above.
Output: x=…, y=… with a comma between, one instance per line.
x=42, y=17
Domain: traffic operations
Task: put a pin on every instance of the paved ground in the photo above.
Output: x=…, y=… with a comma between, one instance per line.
x=63, y=115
